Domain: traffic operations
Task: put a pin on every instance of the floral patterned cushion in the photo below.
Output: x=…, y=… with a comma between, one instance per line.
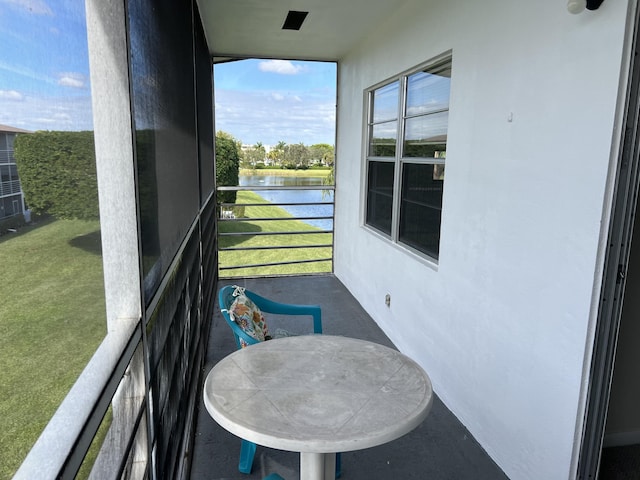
x=249, y=317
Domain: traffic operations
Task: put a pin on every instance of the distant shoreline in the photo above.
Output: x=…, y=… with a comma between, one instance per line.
x=285, y=173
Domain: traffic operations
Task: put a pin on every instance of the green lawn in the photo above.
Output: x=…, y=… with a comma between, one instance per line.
x=52, y=319
x=52, y=310
x=271, y=256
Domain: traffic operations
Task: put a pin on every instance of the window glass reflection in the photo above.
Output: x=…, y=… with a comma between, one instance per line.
x=383, y=139
x=385, y=102
x=407, y=206
x=428, y=91
x=426, y=135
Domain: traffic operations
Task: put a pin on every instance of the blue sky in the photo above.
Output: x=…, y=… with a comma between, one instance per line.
x=271, y=100
x=44, y=71
x=44, y=81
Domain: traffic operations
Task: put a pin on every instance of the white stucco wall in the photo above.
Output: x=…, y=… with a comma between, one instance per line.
x=501, y=324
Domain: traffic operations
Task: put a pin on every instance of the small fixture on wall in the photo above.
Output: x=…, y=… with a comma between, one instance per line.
x=578, y=6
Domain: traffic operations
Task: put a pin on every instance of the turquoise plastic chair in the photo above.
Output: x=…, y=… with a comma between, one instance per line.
x=226, y=296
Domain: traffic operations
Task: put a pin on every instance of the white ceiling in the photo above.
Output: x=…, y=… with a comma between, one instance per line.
x=253, y=28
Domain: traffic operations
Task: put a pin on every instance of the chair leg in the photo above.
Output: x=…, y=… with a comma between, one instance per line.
x=273, y=476
x=247, y=451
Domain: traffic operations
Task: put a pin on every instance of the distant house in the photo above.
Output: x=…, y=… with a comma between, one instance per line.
x=253, y=156
x=11, y=196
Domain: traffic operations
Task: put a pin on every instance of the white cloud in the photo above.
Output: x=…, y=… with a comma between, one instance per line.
x=255, y=117
x=45, y=120
x=282, y=67
x=279, y=97
x=49, y=113
x=35, y=7
x=24, y=71
x=74, y=80
x=11, y=95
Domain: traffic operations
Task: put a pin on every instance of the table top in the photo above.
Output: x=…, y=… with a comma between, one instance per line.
x=318, y=393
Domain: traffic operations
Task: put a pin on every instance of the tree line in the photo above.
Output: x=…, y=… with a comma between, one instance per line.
x=295, y=156
x=57, y=169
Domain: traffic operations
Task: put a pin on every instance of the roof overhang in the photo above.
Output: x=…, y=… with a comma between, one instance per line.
x=254, y=28
x=9, y=129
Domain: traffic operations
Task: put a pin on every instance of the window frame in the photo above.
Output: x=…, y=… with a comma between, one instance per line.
x=399, y=160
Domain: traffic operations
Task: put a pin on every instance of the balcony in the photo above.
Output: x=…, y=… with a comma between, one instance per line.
x=439, y=448
x=10, y=188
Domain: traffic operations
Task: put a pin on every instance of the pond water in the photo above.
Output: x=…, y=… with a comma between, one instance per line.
x=295, y=196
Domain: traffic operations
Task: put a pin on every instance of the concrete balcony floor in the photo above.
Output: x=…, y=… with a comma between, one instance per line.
x=440, y=448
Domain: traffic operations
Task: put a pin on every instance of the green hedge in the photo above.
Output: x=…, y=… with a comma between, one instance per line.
x=58, y=173
x=227, y=166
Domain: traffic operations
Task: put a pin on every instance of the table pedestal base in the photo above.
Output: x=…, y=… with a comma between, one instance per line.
x=317, y=466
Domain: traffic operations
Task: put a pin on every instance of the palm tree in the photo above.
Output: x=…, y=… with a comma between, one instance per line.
x=277, y=154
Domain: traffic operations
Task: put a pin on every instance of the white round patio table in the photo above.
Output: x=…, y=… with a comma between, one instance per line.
x=317, y=395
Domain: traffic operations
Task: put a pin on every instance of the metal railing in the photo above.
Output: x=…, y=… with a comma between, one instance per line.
x=10, y=188
x=141, y=386
x=285, y=239
x=6, y=156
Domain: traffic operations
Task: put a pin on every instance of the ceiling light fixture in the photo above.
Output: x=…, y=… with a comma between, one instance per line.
x=294, y=20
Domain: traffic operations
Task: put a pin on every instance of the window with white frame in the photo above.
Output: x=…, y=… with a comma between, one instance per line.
x=406, y=152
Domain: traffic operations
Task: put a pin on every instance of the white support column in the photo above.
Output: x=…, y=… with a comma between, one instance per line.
x=115, y=166
x=113, y=131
